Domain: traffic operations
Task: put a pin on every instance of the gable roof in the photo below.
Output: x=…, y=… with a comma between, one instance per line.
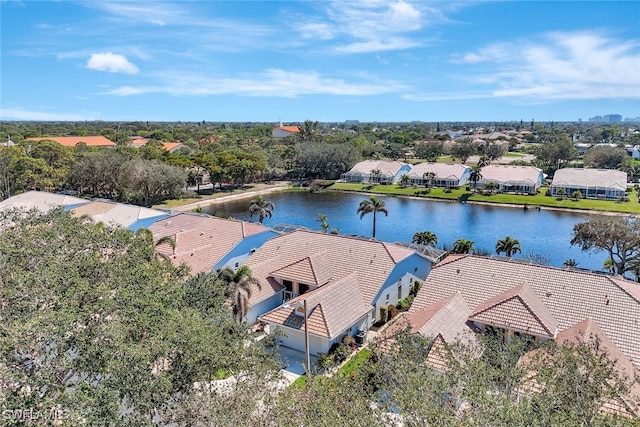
x=332, y=308
x=41, y=200
x=517, y=308
x=314, y=270
x=373, y=261
x=72, y=141
x=576, y=177
x=569, y=295
x=201, y=241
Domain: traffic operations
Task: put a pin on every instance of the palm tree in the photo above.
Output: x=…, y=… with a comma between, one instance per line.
x=609, y=265
x=429, y=177
x=572, y=263
x=462, y=246
x=376, y=175
x=475, y=175
x=508, y=246
x=561, y=192
x=372, y=205
x=262, y=207
x=322, y=219
x=405, y=179
x=237, y=289
x=425, y=238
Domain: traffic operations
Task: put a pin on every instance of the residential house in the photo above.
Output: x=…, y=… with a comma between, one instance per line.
x=72, y=141
x=512, y=179
x=447, y=175
x=205, y=243
x=376, y=172
x=518, y=297
x=138, y=141
x=281, y=131
x=41, y=200
x=344, y=281
x=608, y=184
x=115, y=214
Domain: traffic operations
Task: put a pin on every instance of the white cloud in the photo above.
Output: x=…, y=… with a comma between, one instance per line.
x=273, y=82
x=560, y=65
x=398, y=43
x=112, y=63
x=21, y=114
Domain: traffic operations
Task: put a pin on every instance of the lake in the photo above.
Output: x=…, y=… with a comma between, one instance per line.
x=542, y=232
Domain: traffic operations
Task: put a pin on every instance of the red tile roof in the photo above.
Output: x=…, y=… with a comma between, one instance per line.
x=569, y=295
x=201, y=241
x=312, y=270
x=519, y=309
x=293, y=129
x=72, y=141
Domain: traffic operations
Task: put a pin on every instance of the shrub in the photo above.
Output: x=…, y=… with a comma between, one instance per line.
x=447, y=190
x=393, y=311
x=325, y=360
x=384, y=312
x=415, y=288
x=340, y=353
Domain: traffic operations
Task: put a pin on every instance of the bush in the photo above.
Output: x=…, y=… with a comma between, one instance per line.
x=447, y=190
x=384, y=313
x=393, y=311
x=405, y=303
x=415, y=288
x=325, y=360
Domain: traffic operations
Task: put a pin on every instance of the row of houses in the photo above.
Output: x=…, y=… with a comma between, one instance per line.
x=606, y=184
x=343, y=281
x=102, y=142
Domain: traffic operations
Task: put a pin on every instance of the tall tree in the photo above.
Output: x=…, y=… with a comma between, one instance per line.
x=509, y=246
x=462, y=246
x=237, y=288
x=322, y=219
x=475, y=175
x=618, y=236
x=463, y=149
x=261, y=207
x=372, y=205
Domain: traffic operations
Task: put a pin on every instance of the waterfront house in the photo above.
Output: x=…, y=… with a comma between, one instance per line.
x=344, y=280
x=376, y=172
x=205, y=243
x=607, y=184
x=445, y=175
x=115, y=214
x=512, y=179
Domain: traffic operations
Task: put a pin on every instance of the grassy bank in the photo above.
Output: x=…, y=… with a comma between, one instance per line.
x=539, y=199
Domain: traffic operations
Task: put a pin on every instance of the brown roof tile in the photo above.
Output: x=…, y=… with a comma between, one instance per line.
x=72, y=141
x=569, y=295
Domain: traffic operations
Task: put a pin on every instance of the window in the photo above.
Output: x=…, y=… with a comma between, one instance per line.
x=387, y=298
x=237, y=264
x=288, y=284
x=399, y=292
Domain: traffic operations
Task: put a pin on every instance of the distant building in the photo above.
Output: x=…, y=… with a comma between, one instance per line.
x=376, y=172
x=512, y=179
x=72, y=141
x=608, y=184
x=284, y=131
x=447, y=175
x=607, y=118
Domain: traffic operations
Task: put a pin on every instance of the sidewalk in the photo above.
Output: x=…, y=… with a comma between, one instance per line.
x=236, y=196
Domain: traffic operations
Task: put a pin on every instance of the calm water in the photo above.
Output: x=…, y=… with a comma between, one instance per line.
x=546, y=233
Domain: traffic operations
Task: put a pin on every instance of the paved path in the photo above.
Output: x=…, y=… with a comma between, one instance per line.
x=236, y=196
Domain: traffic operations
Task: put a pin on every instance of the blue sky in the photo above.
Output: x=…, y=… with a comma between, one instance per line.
x=328, y=61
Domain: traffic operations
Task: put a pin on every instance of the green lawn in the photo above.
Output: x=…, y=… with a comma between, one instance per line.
x=351, y=367
x=514, y=199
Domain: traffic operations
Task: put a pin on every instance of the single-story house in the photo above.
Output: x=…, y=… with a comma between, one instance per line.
x=376, y=172
x=518, y=297
x=41, y=200
x=608, y=184
x=205, y=243
x=139, y=141
x=512, y=179
x=634, y=151
x=344, y=280
x=447, y=175
x=284, y=131
x=115, y=214
x=72, y=141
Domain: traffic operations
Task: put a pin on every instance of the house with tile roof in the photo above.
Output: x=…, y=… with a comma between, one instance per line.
x=512, y=179
x=344, y=280
x=205, y=243
x=284, y=131
x=115, y=214
x=71, y=141
x=41, y=200
x=445, y=175
x=376, y=172
x=606, y=184
x=519, y=297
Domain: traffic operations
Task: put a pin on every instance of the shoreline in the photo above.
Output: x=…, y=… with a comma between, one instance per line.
x=231, y=197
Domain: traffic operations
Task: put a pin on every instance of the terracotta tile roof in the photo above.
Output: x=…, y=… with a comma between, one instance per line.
x=373, y=261
x=385, y=166
x=170, y=146
x=72, y=141
x=312, y=270
x=201, y=241
x=115, y=214
x=293, y=129
x=332, y=308
x=446, y=318
x=519, y=309
x=40, y=200
x=442, y=170
x=506, y=173
x=569, y=295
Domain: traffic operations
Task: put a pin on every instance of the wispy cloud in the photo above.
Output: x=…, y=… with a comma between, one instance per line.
x=112, y=63
x=156, y=13
x=273, y=82
x=557, y=66
x=22, y=114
